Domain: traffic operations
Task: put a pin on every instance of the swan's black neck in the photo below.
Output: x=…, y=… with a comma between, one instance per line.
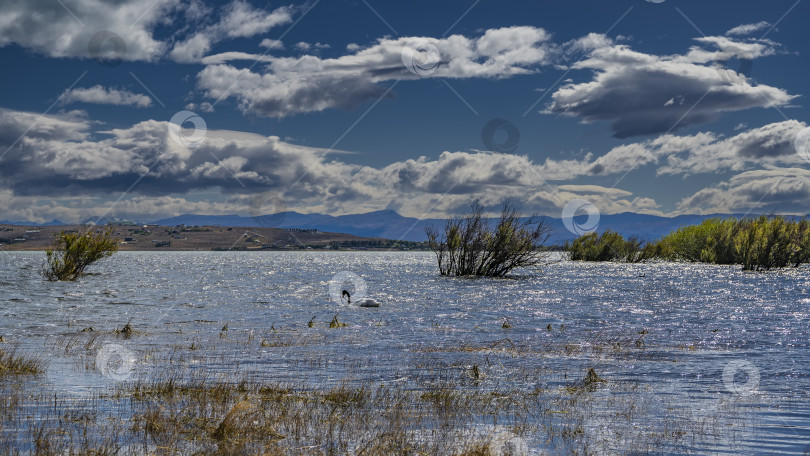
x=347, y=295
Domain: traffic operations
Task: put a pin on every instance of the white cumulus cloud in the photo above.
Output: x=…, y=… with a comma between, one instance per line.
x=101, y=95
x=778, y=190
x=238, y=19
x=747, y=29
x=701, y=153
x=645, y=94
x=62, y=158
x=65, y=29
x=309, y=83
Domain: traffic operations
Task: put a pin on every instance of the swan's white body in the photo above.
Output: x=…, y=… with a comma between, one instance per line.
x=368, y=302
x=365, y=302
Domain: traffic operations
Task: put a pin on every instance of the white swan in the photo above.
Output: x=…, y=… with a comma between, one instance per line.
x=365, y=302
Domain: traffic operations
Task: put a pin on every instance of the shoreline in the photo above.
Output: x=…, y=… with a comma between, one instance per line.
x=204, y=238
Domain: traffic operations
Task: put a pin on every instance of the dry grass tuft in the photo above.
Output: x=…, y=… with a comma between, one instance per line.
x=13, y=364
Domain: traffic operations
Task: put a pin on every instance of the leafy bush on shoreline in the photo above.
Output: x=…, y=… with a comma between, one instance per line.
x=712, y=241
x=609, y=246
x=472, y=246
x=71, y=253
x=757, y=244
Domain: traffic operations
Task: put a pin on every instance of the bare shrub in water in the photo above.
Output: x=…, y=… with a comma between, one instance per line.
x=474, y=246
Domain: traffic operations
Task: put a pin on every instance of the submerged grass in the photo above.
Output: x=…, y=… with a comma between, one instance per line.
x=462, y=402
x=12, y=364
x=178, y=414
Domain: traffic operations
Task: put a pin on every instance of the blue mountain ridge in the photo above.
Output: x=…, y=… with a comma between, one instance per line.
x=53, y=222
x=391, y=225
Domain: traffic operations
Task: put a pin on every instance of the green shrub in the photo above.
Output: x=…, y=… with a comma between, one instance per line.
x=712, y=241
x=71, y=253
x=802, y=241
x=758, y=244
x=472, y=246
x=766, y=243
x=609, y=246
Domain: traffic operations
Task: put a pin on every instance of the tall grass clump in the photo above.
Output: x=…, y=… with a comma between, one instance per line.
x=609, y=246
x=711, y=241
x=474, y=246
x=72, y=252
x=766, y=243
x=13, y=364
x=758, y=244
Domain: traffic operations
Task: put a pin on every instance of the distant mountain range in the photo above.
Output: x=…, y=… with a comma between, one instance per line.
x=384, y=224
x=24, y=223
x=390, y=225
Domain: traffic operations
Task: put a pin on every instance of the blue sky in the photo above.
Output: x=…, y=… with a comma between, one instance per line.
x=338, y=107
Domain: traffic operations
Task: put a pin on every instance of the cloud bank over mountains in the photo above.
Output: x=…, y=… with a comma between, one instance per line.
x=62, y=157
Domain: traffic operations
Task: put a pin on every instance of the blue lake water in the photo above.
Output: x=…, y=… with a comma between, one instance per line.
x=695, y=340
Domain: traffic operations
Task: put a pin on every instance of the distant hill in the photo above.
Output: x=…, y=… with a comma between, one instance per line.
x=151, y=237
x=389, y=224
x=384, y=224
x=53, y=222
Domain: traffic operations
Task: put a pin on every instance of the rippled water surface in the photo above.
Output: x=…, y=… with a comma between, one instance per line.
x=696, y=340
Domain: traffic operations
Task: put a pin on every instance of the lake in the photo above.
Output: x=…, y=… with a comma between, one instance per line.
x=678, y=343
